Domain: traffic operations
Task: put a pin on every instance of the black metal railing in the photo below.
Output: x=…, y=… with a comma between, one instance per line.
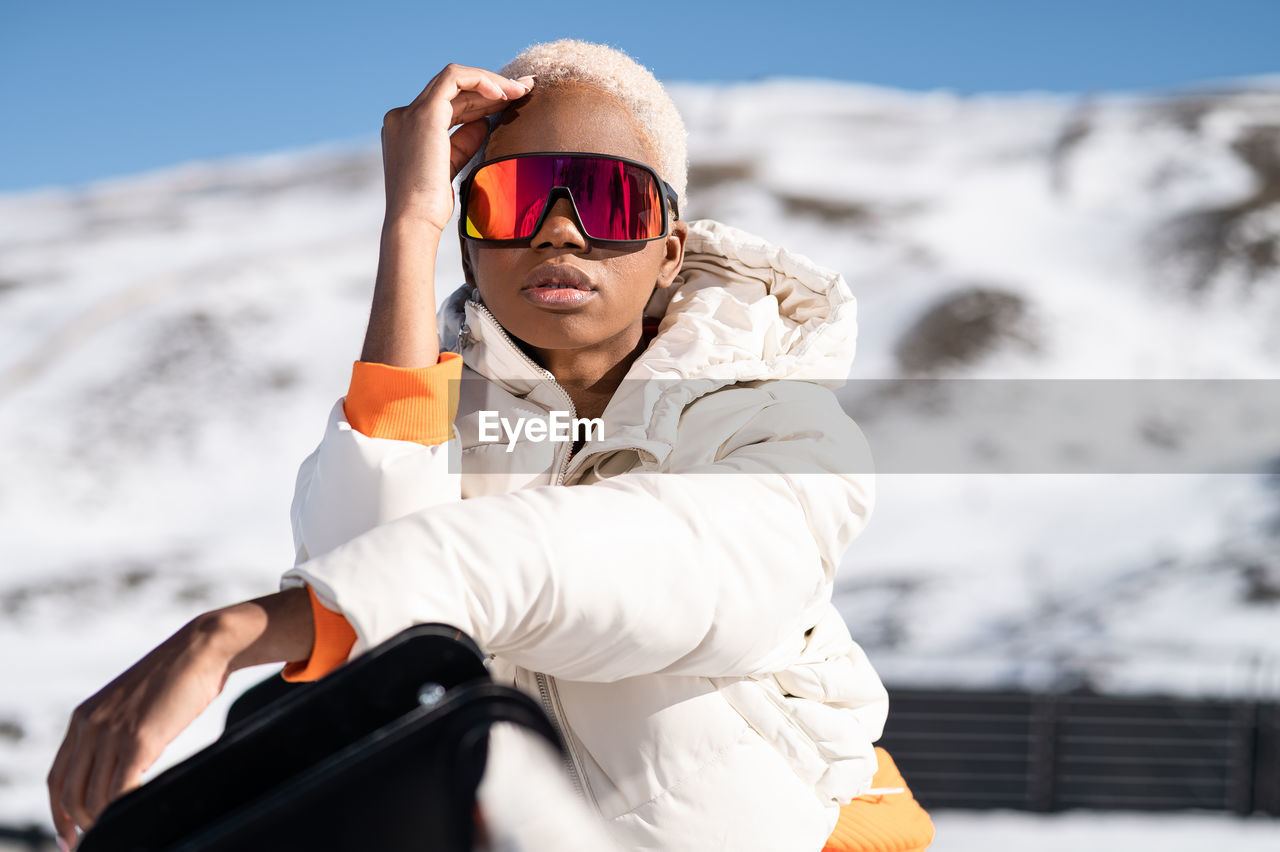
x=1057, y=752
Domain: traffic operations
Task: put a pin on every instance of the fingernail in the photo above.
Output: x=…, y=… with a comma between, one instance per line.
x=62, y=844
x=530, y=78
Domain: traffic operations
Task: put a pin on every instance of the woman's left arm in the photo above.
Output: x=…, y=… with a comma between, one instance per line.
x=714, y=571
x=114, y=736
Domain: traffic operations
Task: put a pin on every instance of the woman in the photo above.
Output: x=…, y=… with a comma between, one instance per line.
x=672, y=609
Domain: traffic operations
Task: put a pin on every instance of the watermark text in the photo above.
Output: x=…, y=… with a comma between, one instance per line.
x=559, y=427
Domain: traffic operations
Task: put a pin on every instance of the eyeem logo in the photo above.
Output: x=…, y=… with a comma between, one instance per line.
x=559, y=427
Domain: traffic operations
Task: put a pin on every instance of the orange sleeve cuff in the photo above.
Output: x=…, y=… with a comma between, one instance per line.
x=405, y=403
x=334, y=638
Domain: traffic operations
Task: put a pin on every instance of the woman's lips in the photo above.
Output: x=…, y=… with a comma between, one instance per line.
x=558, y=295
x=558, y=285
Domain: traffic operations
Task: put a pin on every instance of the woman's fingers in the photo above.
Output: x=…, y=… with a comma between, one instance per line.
x=466, y=141
x=468, y=106
x=487, y=92
x=128, y=775
x=97, y=787
x=63, y=823
x=455, y=79
x=76, y=781
x=64, y=826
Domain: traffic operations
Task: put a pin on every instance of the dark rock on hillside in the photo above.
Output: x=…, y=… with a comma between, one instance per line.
x=1215, y=239
x=831, y=211
x=962, y=327
x=709, y=174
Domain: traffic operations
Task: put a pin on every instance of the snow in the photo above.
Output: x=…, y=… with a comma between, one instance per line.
x=171, y=344
x=998, y=831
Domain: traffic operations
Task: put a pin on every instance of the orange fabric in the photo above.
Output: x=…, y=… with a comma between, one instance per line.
x=891, y=822
x=334, y=638
x=405, y=403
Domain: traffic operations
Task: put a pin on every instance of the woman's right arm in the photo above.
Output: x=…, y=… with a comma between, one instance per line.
x=357, y=478
x=386, y=449
x=420, y=159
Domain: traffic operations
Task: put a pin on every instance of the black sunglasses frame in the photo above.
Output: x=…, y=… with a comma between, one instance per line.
x=668, y=192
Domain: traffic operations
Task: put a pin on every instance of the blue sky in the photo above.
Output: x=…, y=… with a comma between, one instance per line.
x=91, y=90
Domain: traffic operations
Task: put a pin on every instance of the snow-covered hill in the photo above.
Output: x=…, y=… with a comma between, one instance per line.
x=170, y=345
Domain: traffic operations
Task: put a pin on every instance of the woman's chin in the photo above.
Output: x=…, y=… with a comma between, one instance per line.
x=556, y=331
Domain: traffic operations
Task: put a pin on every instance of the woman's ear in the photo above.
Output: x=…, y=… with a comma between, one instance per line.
x=674, y=258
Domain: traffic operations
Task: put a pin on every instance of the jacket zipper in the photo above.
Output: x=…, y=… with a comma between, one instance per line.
x=547, y=694
x=548, y=706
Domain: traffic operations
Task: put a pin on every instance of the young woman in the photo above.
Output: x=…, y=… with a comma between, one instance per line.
x=663, y=588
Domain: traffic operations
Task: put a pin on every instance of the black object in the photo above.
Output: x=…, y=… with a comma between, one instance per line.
x=975, y=749
x=259, y=697
x=385, y=753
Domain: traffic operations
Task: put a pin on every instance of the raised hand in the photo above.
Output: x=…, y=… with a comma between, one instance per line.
x=420, y=158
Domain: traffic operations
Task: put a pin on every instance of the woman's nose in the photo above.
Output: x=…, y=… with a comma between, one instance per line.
x=560, y=228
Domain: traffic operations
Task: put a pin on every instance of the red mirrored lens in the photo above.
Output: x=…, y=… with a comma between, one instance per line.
x=616, y=200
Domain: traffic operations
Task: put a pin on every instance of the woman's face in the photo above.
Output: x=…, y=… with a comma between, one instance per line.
x=609, y=317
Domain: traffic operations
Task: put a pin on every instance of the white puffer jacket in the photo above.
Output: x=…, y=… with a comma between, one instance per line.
x=671, y=610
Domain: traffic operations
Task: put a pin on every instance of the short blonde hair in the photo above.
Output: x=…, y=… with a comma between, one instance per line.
x=614, y=72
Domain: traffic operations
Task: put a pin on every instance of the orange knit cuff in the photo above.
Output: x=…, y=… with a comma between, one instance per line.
x=405, y=403
x=334, y=638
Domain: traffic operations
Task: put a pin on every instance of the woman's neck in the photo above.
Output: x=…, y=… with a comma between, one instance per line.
x=591, y=377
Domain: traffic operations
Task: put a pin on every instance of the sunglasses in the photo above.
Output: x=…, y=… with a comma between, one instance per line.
x=616, y=200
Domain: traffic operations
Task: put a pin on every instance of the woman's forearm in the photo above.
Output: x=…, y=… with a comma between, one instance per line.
x=276, y=628
x=420, y=159
x=402, y=321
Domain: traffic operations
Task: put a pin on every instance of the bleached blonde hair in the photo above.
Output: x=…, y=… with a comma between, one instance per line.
x=614, y=72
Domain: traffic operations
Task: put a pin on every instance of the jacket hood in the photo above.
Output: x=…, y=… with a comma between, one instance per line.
x=743, y=309
x=740, y=310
